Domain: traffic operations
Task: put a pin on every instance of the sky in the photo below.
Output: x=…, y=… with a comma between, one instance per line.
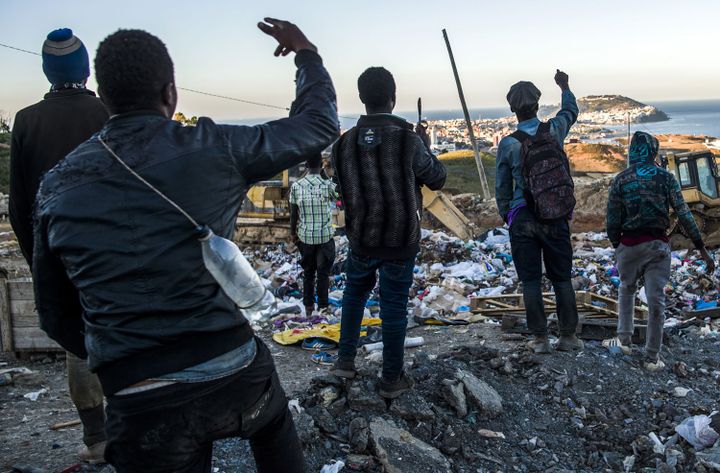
x=650, y=50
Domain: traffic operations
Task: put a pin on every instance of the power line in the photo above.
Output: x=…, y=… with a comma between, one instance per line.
x=195, y=91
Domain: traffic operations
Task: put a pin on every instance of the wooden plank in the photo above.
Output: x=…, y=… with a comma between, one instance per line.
x=25, y=320
x=32, y=339
x=22, y=307
x=5, y=324
x=21, y=290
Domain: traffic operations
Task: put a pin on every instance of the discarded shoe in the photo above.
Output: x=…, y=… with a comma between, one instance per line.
x=344, y=369
x=93, y=454
x=317, y=344
x=323, y=358
x=540, y=345
x=393, y=389
x=570, y=343
x=616, y=342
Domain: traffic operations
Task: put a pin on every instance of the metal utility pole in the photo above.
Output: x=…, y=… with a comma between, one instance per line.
x=628, y=137
x=481, y=170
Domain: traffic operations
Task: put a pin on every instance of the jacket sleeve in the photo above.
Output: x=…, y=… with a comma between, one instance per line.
x=503, y=179
x=20, y=205
x=56, y=299
x=615, y=215
x=682, y=210
x=566, y=117
x=428, y=169
x=262, y=151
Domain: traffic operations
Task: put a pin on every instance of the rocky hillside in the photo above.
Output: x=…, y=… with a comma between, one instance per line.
x=612, y=110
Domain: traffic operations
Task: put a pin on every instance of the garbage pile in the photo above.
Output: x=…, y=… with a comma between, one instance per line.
x=450, y=272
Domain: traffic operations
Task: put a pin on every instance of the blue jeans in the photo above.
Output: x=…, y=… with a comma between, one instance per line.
x=396, y=277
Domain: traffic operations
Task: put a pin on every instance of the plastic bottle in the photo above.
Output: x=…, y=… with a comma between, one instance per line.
x=232, y=271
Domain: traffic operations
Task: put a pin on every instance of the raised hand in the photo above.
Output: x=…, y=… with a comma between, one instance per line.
x=288, y=35
x=562, y=79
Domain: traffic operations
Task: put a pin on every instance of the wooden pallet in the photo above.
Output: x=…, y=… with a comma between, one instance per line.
x=597, y=314
x=19, y=325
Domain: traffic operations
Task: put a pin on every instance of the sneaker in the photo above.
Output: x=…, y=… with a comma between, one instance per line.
x=570, y=343
x=323, y=358
x=540, y=345
x=617, y=343
x=344, y=369
x=393, y=389
x=653, y=365
x=93, y=454
x=309, y=310
x=317, y=344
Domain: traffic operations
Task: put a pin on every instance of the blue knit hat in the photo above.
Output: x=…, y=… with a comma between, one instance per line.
x=65, y=58
x=643, y=148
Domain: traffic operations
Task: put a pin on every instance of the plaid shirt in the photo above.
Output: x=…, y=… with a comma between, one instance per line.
x=314, y=195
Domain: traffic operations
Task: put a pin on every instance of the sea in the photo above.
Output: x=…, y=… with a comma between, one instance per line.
x=691, y=117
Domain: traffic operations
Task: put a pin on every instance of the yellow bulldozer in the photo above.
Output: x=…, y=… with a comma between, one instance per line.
x=697, y=173
x=265, y=214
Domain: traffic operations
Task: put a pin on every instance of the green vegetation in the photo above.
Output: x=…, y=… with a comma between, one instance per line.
x=462, y=174
x=601, y=103
x=4, y=163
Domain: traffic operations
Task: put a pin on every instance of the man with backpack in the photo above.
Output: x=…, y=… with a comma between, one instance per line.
x=534, y=193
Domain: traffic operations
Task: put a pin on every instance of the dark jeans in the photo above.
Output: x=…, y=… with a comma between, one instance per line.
x=396, y=277
x=172, y=429
x=532, y=242
x=316, y=259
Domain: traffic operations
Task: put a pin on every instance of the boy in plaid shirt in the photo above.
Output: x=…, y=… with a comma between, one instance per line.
x=311, y=229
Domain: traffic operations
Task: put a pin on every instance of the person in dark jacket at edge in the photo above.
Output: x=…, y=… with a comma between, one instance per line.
x=42, y=135
x=533, y=241
x=637, y=222
x=380, y=165
x=178, y=362
x=311, y=229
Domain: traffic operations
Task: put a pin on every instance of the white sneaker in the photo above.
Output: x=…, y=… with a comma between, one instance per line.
x=94, y=454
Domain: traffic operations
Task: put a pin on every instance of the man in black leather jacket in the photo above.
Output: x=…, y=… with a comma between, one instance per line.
x=178, y=362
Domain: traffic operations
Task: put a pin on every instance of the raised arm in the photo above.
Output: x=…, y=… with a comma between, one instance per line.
x=569, y=110
x=263, y=151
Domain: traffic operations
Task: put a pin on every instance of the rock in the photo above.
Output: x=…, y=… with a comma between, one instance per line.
x=399, y=452
x=679, y=391
x=480, y=394
x=328, y=395
x=305, y=426
x=338, y=407
x=327, y=379
x=454, y=393
x=680, y=369
x=323, y=419
x=363, y=401
x=358, y=434
x=357, y=462
x=412, y=408
x=451, y=442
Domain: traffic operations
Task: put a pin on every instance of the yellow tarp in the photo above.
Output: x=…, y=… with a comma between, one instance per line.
x=326, y=331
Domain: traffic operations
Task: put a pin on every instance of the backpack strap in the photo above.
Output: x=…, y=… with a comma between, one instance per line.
x=520, y=135
x=544, y=127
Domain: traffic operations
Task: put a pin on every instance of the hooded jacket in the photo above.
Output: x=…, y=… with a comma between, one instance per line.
x=640, y=198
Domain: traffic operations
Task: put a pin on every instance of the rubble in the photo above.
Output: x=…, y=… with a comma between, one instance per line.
x=481, y=395
x=400, y=452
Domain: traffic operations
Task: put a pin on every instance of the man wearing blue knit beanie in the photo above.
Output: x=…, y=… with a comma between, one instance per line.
x=43, y=134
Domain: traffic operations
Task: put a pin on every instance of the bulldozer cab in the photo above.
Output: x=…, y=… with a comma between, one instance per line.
x=697, y=173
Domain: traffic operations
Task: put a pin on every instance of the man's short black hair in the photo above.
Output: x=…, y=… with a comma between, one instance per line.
x=314, y=162
x=376, y=86
x=131, y=68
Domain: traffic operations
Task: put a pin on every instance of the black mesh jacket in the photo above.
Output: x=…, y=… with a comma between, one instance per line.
x=380, y=165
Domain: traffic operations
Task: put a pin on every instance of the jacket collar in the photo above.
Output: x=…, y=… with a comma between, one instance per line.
x=55, y=94
x=383, y=119
x=136, y=116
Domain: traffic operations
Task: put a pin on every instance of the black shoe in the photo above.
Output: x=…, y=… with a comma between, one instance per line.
x=393, y=389
x=344, y=369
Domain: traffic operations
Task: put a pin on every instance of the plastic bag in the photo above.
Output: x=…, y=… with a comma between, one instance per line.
x=697, y=431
